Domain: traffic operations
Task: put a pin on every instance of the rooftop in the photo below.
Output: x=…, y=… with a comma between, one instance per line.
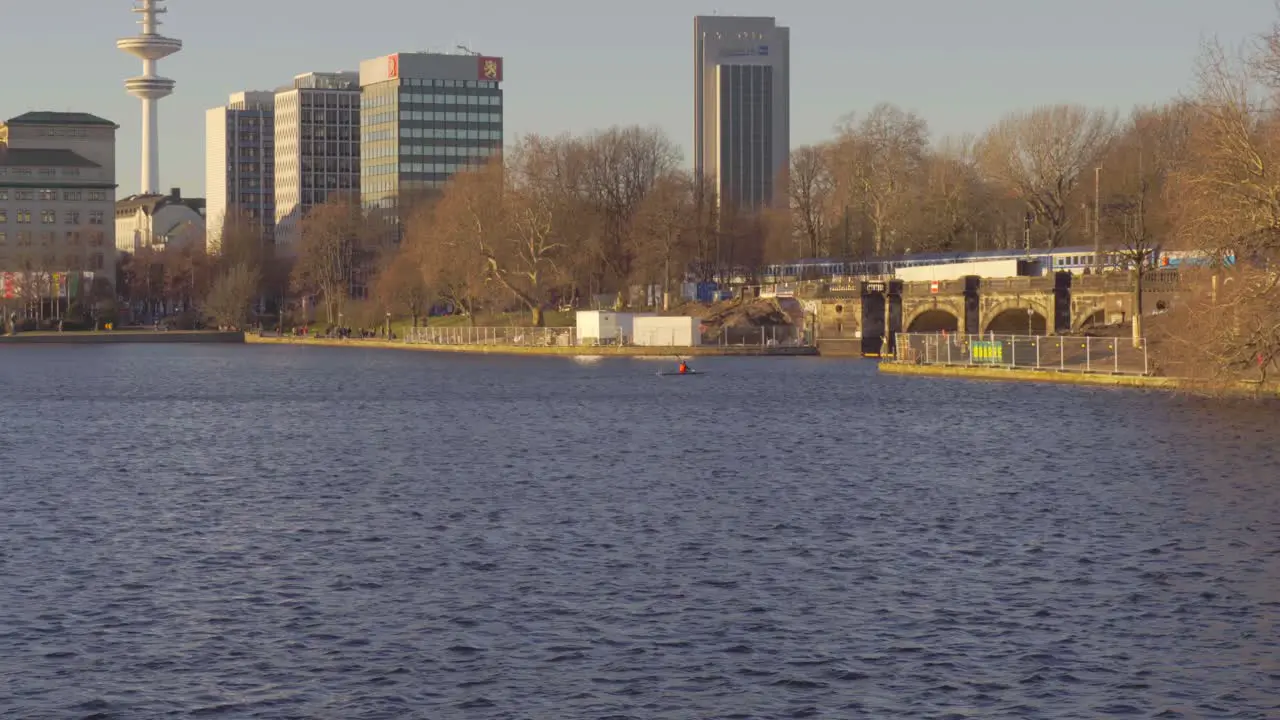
x=150, y=202
x=41, y=157
x=48, y=117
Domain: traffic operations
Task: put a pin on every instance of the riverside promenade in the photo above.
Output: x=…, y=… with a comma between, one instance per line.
x=1080, y=360
x=120, y=337
x=1076, y=360
x=543, y=350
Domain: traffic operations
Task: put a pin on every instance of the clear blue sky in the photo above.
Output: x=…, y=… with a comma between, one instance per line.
x=575, y=65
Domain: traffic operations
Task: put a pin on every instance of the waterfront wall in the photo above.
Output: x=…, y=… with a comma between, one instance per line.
x=551, y=350
x=115, y=337
x=1028, y=374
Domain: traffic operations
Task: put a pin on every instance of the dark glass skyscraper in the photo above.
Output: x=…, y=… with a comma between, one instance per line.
x=741, y=108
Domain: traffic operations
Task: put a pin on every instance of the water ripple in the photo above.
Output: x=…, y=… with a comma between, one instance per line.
x=288, y=532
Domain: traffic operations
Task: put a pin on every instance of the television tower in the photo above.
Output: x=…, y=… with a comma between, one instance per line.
x=149, y=46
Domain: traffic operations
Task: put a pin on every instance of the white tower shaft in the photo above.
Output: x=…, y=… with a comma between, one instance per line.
x=149, y=87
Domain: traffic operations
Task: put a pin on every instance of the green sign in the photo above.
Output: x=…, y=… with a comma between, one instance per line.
x=986, y=351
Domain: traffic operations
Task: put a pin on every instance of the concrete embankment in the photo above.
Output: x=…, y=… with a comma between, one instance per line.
x=1029, y=375
x=552, y=350
x=114, y=337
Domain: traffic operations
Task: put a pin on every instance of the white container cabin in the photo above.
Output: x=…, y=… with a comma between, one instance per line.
x=665, y=331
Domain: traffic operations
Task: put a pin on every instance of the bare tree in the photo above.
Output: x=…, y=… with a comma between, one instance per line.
x=955, y=206
x=536, y=209
x=663, y=227
x=400, y=285
x=877, y=163
x=446, y=259
x=619, y=168
x=1040, y=154
x=333, y=245
x=230, y=299
x=811, y=189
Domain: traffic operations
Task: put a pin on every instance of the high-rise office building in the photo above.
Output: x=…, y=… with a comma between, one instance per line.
x=317, y=148
x=741, y=108
x=423, y=117
x=240, y=166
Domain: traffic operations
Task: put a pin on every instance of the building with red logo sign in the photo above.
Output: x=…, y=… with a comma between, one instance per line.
x=424, y=116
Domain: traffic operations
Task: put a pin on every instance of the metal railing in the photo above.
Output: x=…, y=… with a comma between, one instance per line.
x=1085, y=354
x=764, y=336
x=507, y=336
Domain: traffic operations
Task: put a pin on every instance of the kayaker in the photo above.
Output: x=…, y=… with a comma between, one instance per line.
x=684, y=368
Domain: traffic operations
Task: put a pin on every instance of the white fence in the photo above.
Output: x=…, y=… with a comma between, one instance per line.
x=1064, y=353
x=508, y=336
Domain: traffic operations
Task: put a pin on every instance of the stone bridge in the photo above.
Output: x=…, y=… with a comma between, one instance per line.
x=857, y=316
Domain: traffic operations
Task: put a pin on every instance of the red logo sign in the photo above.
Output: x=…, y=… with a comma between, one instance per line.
x=393, y=66
x=490, y=69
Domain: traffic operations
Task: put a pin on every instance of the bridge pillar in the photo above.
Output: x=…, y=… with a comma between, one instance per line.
x=971, y=322
x=892, y=315
x=875, y=316
x=1061, y=320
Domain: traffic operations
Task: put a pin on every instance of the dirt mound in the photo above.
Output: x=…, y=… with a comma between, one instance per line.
x=740, y=314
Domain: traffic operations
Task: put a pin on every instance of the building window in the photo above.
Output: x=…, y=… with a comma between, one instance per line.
x=97, y=195
x=46, y=238
x=4, y=237
x=24, y=238
x=73, y=238
x=47, y=172
x=48, y=194
x=24, y=195
x=96, y=261
x=24, y=217
x=4, y=194
x=72, y=195
x=4, y=215
x=72, y=217
x=95, y=217
x=48, y=217
x=96, y=238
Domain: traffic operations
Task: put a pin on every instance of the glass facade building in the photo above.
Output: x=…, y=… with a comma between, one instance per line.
x=424, y=117
x=741, y=108
x=240, y=141
x=317, y=153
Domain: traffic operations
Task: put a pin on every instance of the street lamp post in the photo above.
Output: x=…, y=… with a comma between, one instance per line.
x=1030, y=317
x=387, y=335
x=1097, y=211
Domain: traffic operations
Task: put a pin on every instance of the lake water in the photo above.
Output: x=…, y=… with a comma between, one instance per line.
x=257, y=532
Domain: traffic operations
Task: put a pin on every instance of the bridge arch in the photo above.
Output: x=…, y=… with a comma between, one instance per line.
x=1090, y=317
x=1010, y=317
x=932, y=315
x=931, y=320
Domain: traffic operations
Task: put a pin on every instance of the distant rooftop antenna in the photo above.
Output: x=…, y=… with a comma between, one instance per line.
x=466, y=50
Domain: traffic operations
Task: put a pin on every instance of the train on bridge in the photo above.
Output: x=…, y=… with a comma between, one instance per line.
x=1076, y=260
